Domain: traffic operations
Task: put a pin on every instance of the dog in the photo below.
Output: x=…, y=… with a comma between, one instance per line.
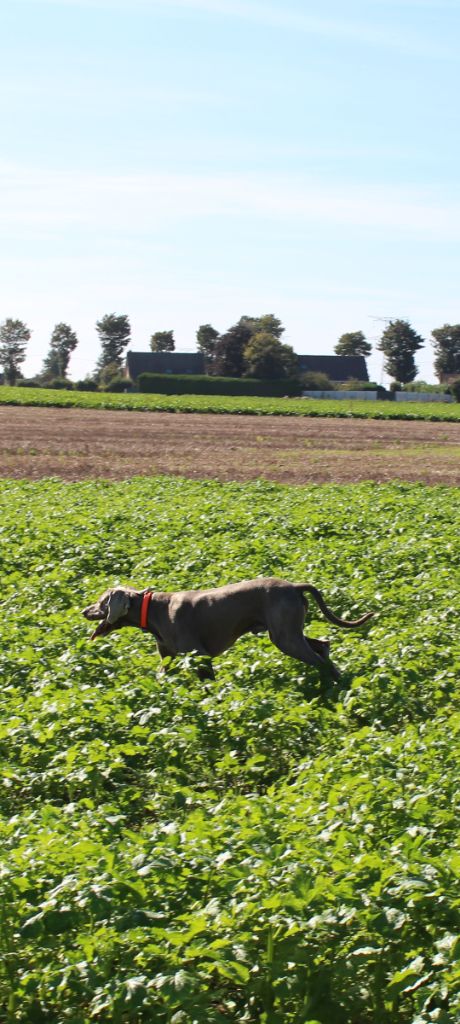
x=208, y=622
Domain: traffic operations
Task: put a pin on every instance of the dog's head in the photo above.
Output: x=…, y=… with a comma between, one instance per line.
x=109, y=611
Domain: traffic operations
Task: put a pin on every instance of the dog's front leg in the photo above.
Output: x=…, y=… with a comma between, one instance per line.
x=166, y=656
x=205, y=669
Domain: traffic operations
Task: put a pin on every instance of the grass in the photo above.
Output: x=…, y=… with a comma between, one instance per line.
x=264, y=848
x=222, y=404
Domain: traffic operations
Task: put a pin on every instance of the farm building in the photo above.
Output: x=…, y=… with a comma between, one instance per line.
x=338, y=368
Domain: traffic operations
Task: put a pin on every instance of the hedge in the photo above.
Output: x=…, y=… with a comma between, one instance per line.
x=200, y=384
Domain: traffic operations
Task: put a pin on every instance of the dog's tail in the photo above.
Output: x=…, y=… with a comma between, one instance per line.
x=348, y=624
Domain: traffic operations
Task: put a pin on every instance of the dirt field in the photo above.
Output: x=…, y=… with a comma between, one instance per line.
x=75, y=443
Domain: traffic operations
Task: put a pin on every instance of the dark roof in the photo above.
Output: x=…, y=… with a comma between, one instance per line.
x=164, y=362
x=337, y=368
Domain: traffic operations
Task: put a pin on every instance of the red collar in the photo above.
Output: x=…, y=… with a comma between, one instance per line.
x=145, y=608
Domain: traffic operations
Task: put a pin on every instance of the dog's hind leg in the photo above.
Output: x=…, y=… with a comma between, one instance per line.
x=285, y=626
x=321, y=647
x=314, y=653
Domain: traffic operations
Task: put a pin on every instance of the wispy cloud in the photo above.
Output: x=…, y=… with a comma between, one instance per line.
x=282, y=17
x=143, y=204
x=428, y=5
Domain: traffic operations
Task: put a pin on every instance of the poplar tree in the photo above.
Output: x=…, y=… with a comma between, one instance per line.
x=114, y=331
x=206, y=339
x=446, y=345
x=62, y=344
x=353, y=343
x=162, y=341
x=399, y=343
x=14, y=335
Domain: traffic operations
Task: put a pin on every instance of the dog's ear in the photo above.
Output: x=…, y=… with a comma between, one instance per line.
x=118, y=605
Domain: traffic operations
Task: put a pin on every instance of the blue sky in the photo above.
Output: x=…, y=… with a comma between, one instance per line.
x=190, y=161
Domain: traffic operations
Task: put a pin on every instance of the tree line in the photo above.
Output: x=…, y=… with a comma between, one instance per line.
x=252, y=347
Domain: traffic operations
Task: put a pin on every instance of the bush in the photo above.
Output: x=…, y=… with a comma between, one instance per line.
x=312, y=381
x=364, y=385
x=200, y=384
x=454, y=389
x=58, y=384
x=86, y=385
x=118, y=384
x=28, y=382
x=421, y=385
x=352, y=384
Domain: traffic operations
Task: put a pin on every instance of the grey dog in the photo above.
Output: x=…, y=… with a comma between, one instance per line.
x=209, y=621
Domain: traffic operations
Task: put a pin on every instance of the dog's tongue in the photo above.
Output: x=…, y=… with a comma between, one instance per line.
x=100, y=630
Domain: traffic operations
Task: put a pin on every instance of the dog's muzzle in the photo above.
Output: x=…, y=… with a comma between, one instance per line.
x=94, y=614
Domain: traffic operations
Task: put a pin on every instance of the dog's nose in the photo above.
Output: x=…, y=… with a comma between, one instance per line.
x=94, y=613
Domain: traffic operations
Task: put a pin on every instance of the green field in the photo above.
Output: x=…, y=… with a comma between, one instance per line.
x=262, y=848
x=224, y=404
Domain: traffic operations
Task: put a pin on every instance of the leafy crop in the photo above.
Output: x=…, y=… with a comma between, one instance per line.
x=229, y=404
x=262, y=848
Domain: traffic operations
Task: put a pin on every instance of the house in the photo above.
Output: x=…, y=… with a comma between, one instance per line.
x=338, y=368
x=163, y=362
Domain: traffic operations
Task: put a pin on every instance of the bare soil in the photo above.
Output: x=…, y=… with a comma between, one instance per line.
x=77, y=443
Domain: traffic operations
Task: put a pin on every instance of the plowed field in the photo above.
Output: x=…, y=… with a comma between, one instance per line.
x=75, y=444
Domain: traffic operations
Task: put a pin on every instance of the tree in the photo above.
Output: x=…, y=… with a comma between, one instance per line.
x=266, y=357
x=353, y=344
x=162, y=341
x=399, y=342
x=63, y=342
x=447, y=350
x=229, y=351
x=228, y=356
x=114, y=332
x=267, y=323
x=207, y=337
x=14, y=335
